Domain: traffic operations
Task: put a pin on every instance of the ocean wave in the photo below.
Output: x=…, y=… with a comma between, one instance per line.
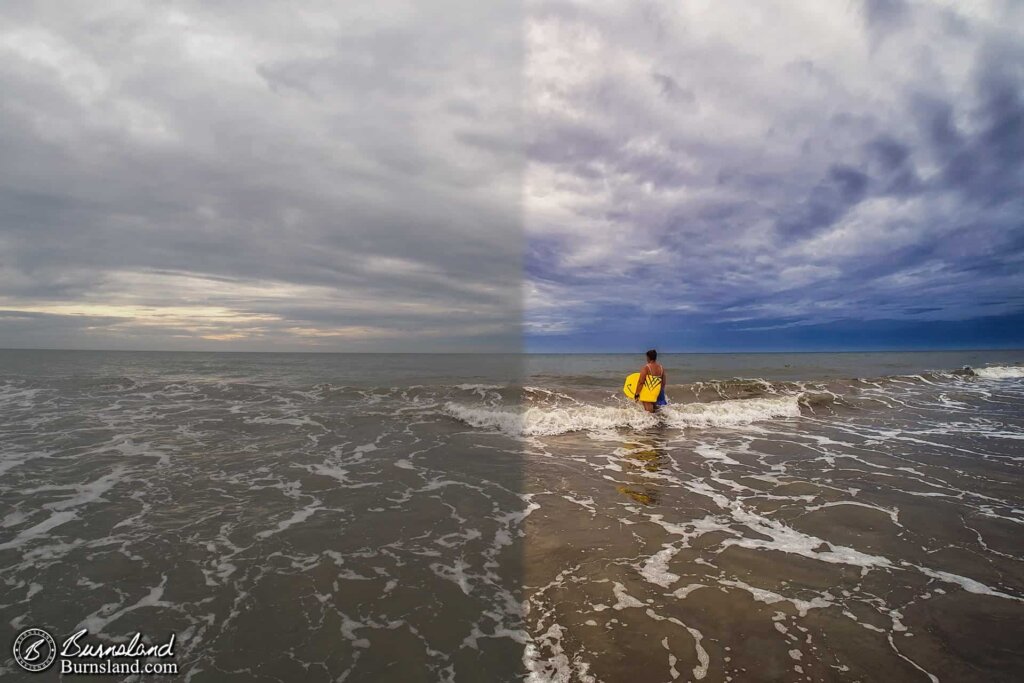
x=732, y=413
x=536, y=421
x=1000, y=372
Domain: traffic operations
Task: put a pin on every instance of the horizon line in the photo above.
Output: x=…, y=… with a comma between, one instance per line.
x=529, y=353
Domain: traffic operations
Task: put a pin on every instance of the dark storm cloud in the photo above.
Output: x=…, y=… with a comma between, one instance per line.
x=987, y=163
x=734, y=167
x=256, y=176
x=842, y=188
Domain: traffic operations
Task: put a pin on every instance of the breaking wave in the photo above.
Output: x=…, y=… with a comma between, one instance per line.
x=1000, y=372
x=550, y=421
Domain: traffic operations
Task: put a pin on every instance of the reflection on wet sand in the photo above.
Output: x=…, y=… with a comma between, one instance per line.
x=850, y=543
x=639, y=456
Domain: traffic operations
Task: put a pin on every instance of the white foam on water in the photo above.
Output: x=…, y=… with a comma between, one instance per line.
x=931, y=677
x=702, y=488
x=731, y=413
x=671, y=659
x=365, y=448
x=548, y=393
x=969, y=585
x=550, y=421
x=11, y=461
x=292, y=421
x=333, y=471
x=557, y=668
x=13, y=518
x=536, y=421
x=681, y=593
x=711, y=453
x=655, y=569
x=789, y=540
x=770, y=598
x=624, y=599
x=456, y=573
x=53, y=521
x=83, y=494
x=97, y=621
x=297, y=518
x=893, y=514
x=1000, y=372
x=348, y=631
x=703, y=661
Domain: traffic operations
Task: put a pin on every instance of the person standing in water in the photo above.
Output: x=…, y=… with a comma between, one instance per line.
x=654, y=369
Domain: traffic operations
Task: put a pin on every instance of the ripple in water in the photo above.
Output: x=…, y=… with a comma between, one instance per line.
x=294, y=525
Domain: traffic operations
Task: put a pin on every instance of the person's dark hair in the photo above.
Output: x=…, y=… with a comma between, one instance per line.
x=652, y=355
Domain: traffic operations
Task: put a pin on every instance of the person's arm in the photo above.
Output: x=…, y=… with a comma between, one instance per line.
x=640, y=384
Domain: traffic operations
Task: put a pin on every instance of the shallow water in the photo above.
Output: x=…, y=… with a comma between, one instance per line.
x=823, y=530
x=287, y=517
x=476, y=518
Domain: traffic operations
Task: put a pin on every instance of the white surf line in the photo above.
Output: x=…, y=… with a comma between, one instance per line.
x=770, y=598
x=781, y=537
x=892, y=513
x=896, y=435
x=999, y=372
x=900, y=436
x=989, y=512
x=703, y=660
x=789, y=540
x=297, y=518
x=917, y=666
x=969, y=585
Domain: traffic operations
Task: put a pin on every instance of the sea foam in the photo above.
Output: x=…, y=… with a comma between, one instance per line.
x=538, y=421
x=1000, y=372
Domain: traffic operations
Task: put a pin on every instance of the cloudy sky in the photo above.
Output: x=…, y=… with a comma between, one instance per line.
x=248, y=175
x=750, y=174
x=714, y=175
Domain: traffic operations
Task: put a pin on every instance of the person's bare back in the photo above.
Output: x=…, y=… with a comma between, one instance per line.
x=653, y=369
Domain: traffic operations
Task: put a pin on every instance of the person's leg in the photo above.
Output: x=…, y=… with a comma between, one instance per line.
x=648, y=406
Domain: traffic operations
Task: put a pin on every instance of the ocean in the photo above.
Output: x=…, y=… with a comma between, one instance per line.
x=787, y=517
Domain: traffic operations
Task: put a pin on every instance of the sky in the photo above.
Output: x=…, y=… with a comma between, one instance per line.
x=726, y=176
x=261, y=175
x=555, y=176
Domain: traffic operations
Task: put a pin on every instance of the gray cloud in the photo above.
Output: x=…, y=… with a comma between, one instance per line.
x=319, y=176
x=351, y=177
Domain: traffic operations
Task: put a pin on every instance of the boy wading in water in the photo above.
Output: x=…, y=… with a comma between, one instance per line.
x=654, y=369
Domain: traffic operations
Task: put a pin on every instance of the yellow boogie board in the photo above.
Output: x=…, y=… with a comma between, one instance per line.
x=648, y=393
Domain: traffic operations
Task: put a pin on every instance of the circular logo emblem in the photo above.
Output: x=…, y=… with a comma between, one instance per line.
x=34, y=650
